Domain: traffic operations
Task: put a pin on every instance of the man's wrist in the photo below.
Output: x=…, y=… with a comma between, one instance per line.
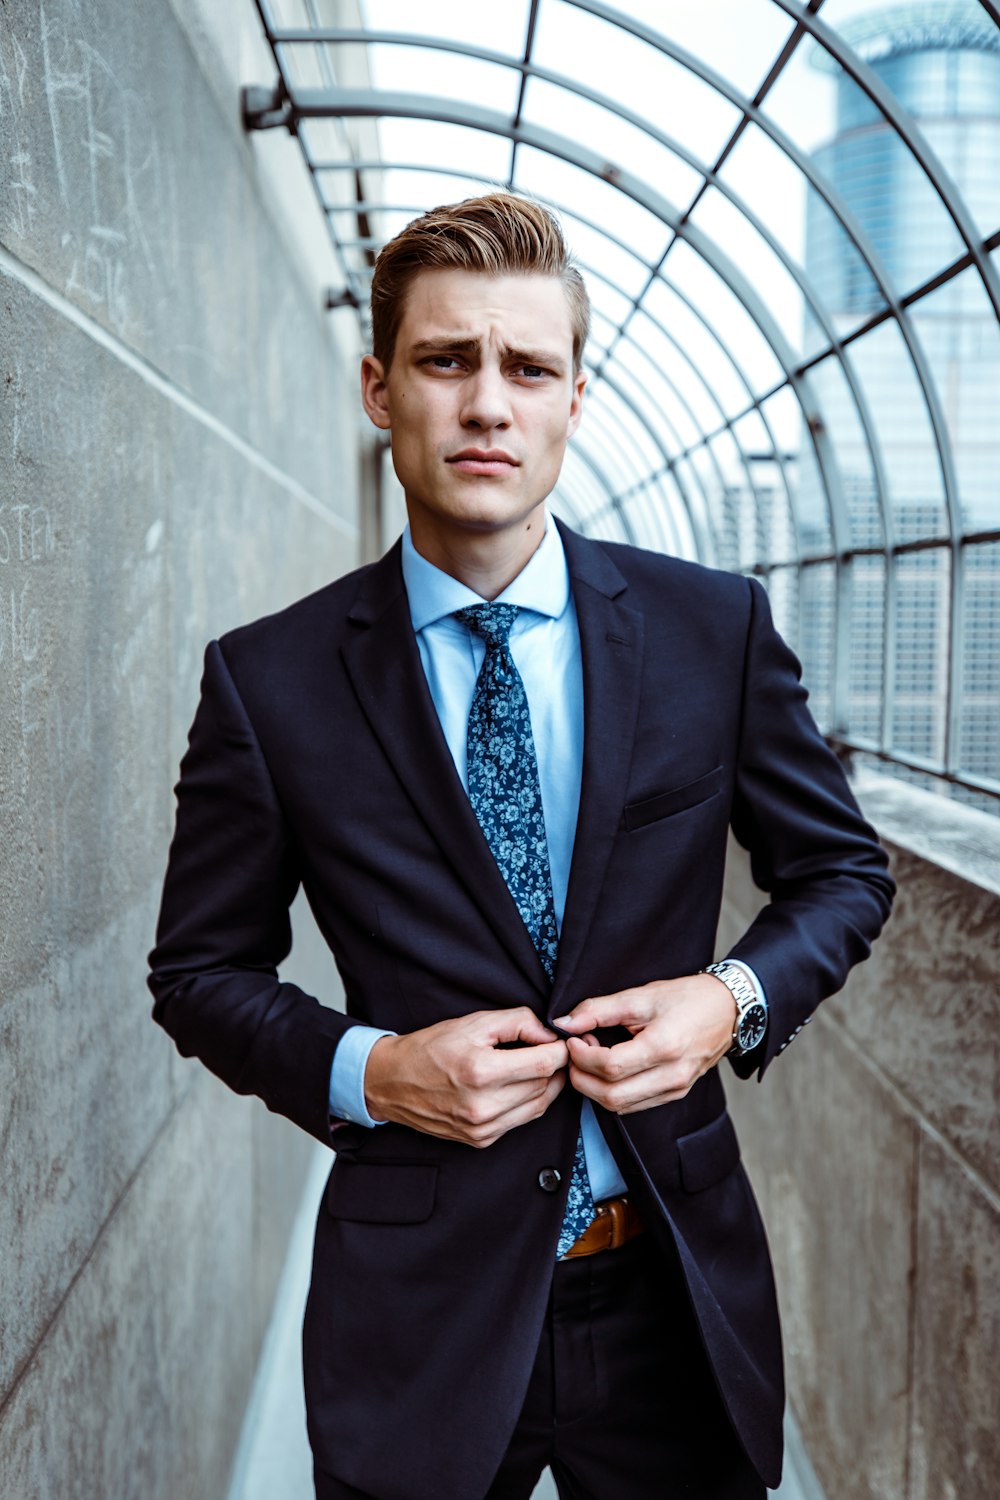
x=348, y=1100
x=375, y=1076
x=750, y=1023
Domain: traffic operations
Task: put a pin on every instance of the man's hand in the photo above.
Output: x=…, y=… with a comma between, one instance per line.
x=680, y=1028
x=456, y=1081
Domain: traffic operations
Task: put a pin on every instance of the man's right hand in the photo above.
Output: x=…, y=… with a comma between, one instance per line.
x=456, y=1080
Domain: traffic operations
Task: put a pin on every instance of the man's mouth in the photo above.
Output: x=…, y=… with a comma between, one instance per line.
x=482, y=461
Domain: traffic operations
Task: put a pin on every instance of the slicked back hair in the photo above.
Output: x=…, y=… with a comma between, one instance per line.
x=496, y=235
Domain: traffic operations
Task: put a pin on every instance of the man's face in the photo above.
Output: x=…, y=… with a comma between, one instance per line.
x=480, y=400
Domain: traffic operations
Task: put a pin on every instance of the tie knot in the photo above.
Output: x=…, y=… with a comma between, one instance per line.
x=491, y=621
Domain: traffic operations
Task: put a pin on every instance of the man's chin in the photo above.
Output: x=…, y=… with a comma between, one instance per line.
x=483, y=514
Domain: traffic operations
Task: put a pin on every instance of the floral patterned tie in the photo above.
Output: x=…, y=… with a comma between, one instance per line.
x=506, y=797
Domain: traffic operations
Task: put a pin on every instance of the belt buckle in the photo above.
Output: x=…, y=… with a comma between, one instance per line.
x=614, y=1211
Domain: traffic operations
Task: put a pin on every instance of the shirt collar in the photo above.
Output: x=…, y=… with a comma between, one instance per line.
x=542, y=584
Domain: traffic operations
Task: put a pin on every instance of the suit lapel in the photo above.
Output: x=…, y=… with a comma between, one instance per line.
x=611, y=641
x=383, y=662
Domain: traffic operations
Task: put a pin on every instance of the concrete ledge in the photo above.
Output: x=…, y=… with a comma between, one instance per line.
x=874, y=1147
x=945, y=833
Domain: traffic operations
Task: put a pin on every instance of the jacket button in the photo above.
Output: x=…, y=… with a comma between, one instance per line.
x=549, y=1179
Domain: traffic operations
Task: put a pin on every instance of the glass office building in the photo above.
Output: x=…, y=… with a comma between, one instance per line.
x=943, y=66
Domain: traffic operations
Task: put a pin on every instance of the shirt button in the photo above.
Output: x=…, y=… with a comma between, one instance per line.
x=549, y=1180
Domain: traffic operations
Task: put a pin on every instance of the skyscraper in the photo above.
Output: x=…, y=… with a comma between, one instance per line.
x=927, y=388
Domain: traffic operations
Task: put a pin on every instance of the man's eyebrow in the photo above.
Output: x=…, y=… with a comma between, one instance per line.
x=544, y=357
x=454, y=343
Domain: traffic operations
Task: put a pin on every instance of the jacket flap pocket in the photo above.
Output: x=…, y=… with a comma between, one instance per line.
x=382, y=1192
x=638, y=814
x=708, y=1155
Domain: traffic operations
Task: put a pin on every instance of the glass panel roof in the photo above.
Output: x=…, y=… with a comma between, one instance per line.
x=499, y=27
x=788, y=216
x=732, y=322
x=745, y=39
x=448, y=74
x=634, y=76
x=585, y=199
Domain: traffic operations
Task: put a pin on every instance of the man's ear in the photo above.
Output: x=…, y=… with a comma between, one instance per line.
x=576, y=405
x=374, y=393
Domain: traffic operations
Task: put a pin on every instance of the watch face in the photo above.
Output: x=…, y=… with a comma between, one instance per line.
x=752, y=1027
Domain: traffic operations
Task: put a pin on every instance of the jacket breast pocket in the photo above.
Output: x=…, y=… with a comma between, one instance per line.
x=382, y=1192
x=708, y=1155
x=679, y=799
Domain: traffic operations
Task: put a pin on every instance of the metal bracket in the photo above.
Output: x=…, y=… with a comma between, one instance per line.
x=263, y=108
x=842, y=749
x=346, y=298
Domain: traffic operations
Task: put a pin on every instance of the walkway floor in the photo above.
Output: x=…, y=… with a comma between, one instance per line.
x=274, y=1455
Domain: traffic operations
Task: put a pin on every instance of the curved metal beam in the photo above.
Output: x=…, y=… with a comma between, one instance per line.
x=372, y=102
x=588, y=460
x=694, y=523
x=600, y=374
x=749, y=110
x=858, y=237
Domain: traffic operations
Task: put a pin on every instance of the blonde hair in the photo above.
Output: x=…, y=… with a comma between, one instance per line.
x=499, y=234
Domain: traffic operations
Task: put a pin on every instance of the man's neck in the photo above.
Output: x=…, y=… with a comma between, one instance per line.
x=486, y=562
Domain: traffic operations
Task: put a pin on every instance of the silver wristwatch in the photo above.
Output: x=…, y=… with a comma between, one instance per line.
x=751, y=1010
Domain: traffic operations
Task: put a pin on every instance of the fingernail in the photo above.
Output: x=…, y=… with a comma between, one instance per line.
x=563, y=1021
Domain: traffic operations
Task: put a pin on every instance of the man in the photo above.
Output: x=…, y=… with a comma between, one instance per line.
x=503, y=762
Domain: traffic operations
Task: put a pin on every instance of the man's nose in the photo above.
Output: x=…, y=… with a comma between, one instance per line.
x=486, y=400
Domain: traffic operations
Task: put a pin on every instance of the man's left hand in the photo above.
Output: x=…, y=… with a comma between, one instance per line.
x=680, y=1028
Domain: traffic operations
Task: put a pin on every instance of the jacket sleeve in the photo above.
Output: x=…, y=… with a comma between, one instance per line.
x=224, y=926
x=810, y=848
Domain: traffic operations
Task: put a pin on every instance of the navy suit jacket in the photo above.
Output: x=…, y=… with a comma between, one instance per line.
x=317, y=758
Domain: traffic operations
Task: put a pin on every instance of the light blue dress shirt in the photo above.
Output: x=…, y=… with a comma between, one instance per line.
x=545, y=645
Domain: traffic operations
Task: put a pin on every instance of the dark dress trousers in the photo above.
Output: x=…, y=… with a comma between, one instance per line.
x=316, y=758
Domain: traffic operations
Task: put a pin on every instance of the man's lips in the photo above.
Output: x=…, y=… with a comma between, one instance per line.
x=482, y=461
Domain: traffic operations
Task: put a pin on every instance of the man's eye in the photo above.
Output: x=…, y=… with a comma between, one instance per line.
x=533, y=372
x=442, y=361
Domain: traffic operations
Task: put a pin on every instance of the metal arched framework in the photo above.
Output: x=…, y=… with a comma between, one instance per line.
x=805, y=397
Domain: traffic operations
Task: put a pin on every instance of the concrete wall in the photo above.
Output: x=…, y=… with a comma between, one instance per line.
x=873, y=1145
x=178, y=453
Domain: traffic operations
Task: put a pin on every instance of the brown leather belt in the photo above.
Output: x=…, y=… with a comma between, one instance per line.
x=617, y=1222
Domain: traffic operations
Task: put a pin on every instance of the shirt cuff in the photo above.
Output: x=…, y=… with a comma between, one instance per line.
x=737, y=963
x=347, y=1075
